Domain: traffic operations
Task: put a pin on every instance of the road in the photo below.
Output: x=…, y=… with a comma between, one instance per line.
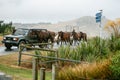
x=4, y=51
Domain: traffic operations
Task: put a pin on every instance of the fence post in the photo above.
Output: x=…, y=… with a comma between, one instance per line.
x=19, y=56
x=35, y=68
x=42, y=73
x=52, y=46
x=56, y=55
x=54, y=72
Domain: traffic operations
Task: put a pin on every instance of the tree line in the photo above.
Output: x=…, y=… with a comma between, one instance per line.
x=6, y=28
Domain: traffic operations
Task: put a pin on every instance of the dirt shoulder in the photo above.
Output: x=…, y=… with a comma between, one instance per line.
x=1, y=38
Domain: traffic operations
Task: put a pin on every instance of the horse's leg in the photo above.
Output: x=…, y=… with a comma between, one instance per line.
x=66, y=42
x=86, y=38
x=78, y=42
x=57, y=42
x=61, y=42
x=70, y=41
x=74, y=42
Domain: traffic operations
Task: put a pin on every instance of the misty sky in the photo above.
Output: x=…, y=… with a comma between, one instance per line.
x=34, y=11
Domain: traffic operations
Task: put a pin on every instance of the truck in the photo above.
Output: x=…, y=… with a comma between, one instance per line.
x=20, y=36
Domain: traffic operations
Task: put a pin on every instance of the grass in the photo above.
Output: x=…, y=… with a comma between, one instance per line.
x=8, y=65
x=86, y=71
x=17, y=73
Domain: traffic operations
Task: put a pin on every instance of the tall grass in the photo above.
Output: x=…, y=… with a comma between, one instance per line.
x=114, y=43
x=89, y=51
x=115, y=66
x=86, y=71
x=97, y=52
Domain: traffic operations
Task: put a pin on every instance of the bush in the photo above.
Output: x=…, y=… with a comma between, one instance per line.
x=6, y=28
x=115, y=66
x=86, y=71
x=114, y=44
x=89, y=51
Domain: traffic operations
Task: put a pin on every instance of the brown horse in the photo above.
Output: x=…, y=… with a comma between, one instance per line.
x=76, y=36
x=42, y=35
x=83, y=36
x=52, y=34
x=79, y=36
x=64, y=37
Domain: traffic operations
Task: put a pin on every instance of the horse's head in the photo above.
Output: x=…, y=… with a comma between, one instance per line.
x=73, y=33
x=60, y=34
x=80, y=34
x=32, y=33
x=83, y=36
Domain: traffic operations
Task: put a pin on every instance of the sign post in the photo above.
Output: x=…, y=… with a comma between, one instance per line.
x=98, y=20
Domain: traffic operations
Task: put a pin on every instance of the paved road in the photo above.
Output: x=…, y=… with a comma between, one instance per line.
x=4, y=51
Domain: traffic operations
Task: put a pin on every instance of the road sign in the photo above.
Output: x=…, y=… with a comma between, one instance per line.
x=98, y=17
x=98, y=14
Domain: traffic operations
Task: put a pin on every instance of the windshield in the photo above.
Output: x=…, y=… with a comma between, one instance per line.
x=21, y=32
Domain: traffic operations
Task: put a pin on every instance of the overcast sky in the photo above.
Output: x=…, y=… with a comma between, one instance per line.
x=34, y=11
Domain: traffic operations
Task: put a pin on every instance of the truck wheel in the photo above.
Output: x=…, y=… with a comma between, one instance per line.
x=8, y=46
x=21, y=43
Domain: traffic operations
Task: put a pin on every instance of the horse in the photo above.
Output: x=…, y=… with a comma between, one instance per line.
x=56, y=38
x=45, y=36
x=83, y=36
x=76, y=36
x=64, y=37
x=52, y=34
x=42, y=36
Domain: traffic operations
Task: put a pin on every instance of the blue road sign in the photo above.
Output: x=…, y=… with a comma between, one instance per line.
x=98, y=17
x=98, y=14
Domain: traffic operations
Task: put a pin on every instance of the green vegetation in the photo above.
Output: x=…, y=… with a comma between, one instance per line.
x=17, y=73
x=8, y=65
x=99, y=62
x=115, y=66
x=6, y=28
x=20, y=73
x=89, y=51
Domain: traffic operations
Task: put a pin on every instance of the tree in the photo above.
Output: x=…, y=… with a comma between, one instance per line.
x=113, y=27
x=6, y=28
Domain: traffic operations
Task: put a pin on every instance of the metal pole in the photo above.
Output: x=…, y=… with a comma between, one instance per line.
x=100, y=36
x=100, y=31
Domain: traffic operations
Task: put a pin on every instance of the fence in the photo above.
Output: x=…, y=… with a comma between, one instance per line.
x=36, y=59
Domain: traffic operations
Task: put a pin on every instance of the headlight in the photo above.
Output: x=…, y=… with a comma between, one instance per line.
x=4, y=38
x=15, y=39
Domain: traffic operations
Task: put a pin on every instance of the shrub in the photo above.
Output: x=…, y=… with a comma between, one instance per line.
x=114, y=44
x=86, y=51
x=86, y=71
x=115, y=66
